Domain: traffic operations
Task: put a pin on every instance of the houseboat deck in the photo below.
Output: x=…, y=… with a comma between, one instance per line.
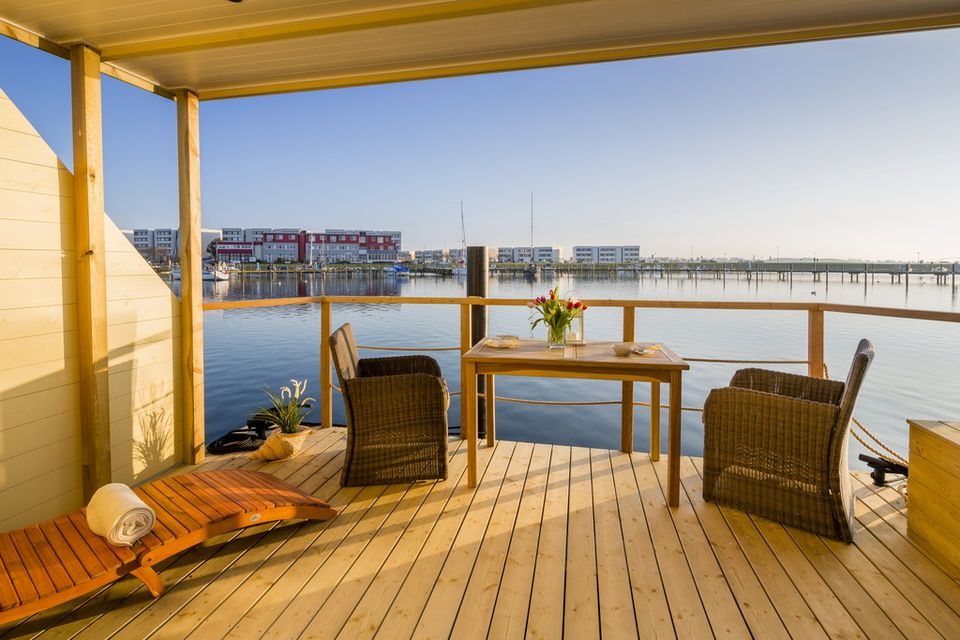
x=554, y=542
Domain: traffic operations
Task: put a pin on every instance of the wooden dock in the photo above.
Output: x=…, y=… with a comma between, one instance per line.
x=555, y=542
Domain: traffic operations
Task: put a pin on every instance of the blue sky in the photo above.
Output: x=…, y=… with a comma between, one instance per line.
x=843, y=148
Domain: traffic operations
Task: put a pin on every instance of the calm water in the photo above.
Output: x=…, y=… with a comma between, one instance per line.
x=914, y=374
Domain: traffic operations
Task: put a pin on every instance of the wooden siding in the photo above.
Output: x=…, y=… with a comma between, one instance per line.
x=39, y=393
x=555, y=542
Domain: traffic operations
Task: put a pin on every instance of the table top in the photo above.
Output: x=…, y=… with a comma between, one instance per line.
x=535, y=352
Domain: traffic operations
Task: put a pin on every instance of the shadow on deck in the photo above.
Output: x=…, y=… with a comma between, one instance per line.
x=555, y=542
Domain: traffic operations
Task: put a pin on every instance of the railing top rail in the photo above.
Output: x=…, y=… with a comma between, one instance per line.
x=890, y=312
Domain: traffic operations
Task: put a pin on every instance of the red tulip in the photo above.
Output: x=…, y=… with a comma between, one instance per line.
x=569, y=306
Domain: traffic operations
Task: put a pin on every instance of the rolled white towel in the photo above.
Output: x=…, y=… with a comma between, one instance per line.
x=119, y=515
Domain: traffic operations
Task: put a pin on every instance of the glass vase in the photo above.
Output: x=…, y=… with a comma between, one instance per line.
x=574, y=332
x=556, y=337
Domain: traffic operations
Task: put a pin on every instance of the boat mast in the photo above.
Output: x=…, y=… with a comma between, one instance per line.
x=531, y=226
x=463, y=237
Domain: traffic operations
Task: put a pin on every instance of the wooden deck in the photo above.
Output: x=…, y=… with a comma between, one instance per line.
x=554, y=542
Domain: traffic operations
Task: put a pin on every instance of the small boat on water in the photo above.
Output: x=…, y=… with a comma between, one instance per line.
x=398, y=270
x=209, y=275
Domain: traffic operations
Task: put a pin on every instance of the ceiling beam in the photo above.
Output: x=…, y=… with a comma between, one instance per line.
x=37, y=41
x=609, y=53
x=327, y=25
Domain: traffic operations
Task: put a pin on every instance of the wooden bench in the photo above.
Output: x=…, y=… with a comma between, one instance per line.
x=55, y=561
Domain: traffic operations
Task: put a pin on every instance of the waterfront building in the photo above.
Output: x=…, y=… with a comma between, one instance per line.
x=431, y=256
x=606, y=254
x=308, y=247
x=530, y=254
x=158, y=245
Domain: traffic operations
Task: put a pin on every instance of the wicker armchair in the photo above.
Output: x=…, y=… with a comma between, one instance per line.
x=396, y=415
x=775, y=444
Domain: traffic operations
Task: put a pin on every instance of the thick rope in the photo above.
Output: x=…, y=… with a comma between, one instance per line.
x=896, y=457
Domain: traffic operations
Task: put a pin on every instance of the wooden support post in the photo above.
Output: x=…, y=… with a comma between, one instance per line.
x=93, y=351
x=654, y=421
x=626, y=402
x=465, y=345
x=191, y=278
x=478, y=277
x=326, y=380
x=815, y=343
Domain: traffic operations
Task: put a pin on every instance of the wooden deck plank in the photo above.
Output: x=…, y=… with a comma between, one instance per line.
x=686, y=610
x=366, y=618
x=546, y=598
x=480, y=595
x=646, y=583
x=819, y=578
x=358, y=558
x=440, y=612
x=513, y=597
x=617, y=616
x=581, y=610
x=555, y=541
x=349, y=601
x=792, y=608
x=430, y=569
x=722, y=609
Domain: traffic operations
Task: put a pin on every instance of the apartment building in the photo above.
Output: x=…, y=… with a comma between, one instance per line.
x=162, y=244
x=298, y=245
x=606, y=254
x=530, y=254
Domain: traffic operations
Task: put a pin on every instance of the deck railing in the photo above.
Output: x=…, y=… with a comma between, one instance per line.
x=815, y=329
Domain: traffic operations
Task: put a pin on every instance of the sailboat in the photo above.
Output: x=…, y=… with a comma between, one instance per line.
x=461, y=268
x=532, y=269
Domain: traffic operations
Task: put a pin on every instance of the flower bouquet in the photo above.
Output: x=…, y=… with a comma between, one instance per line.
x=557, y=315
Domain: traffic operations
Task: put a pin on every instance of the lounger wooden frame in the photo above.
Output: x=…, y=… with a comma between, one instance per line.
x=52, y=562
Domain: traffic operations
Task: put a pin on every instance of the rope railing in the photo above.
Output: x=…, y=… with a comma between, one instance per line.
x=887, y=454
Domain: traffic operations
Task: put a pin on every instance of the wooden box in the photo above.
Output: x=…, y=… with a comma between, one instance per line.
x=933, y=507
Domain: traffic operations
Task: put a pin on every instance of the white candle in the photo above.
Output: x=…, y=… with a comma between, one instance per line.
x=573, y=336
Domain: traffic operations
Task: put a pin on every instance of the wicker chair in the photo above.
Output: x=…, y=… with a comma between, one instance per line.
x=396, y=415
x=775, y=444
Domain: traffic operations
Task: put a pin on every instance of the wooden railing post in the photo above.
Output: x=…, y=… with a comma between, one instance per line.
x=626, y=408
x=465, y=326
x=326, y=383
x=815, y=343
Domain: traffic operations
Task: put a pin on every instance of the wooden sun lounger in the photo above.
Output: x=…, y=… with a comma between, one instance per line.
x=55, y=561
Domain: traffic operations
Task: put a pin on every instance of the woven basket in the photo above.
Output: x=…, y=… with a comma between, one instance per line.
x=279, y=445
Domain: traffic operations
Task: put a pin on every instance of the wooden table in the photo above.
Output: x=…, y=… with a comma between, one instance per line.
x=595, y=361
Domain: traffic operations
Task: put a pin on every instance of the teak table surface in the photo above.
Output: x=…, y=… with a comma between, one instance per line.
x=592, y=360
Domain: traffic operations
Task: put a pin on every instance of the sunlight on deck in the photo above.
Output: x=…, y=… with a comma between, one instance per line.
x=554, y=542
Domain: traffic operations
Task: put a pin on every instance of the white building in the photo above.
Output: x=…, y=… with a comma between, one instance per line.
x=530, y=254
x=606, y=254
x=431, y=256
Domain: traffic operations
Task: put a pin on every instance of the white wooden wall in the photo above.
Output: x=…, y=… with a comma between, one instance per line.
x=39, y=396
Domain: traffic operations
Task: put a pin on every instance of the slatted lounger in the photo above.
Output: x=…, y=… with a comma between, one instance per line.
x=55, y=561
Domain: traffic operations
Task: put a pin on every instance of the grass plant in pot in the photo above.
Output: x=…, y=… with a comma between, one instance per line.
x=287, y=411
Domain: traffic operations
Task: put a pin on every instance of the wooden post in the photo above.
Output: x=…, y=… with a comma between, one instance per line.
x=464, y=347
x=191, y=278
x=326, y=380
x=478, y=277
x=93, y=351
x=626, y=401
x=815, y=342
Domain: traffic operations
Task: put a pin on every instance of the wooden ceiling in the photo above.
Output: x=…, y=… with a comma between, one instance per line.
x=222, y=49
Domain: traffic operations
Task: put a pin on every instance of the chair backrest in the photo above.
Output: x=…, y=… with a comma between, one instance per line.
x=858, y=369
x=345, y=360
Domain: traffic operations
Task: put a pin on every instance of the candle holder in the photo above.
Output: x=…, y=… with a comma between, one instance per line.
x=574, y=334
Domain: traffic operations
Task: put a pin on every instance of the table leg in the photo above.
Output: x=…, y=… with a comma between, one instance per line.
x=491, y=406
x=673, y=451
x=468, y=417
x=626, y=418
x=654, y=421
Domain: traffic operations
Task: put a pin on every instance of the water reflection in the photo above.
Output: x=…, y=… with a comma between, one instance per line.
x=248, y=349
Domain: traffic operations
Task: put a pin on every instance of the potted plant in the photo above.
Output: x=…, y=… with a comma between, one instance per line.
x=557, y=315
x=287, y=411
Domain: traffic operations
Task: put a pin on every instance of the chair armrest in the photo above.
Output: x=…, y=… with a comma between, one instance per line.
x=736, y=418
x=407, y=406
x=397, y=365
x=789, y=385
